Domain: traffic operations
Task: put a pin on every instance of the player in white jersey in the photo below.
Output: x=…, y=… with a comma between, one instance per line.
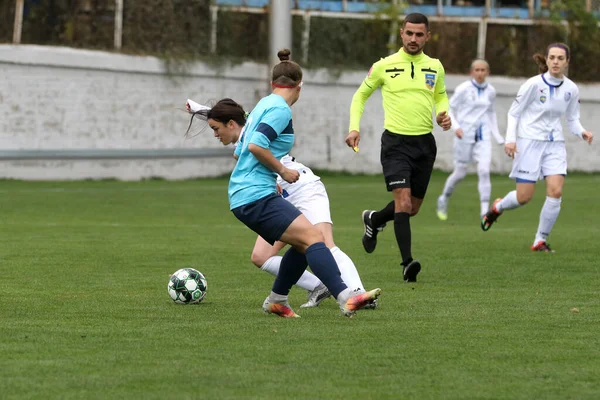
x=307, y=194
x=474, y=122
x=535, y=141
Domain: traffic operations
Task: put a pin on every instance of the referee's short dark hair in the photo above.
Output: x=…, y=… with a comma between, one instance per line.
x=416, y=18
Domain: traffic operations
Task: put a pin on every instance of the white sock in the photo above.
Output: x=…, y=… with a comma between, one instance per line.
x=344, y=296
x=485, y=206
x=484, y=186
x=508, y=202
x=347, y=269
x=459, y=173
x=548, y=216
x=307, y=281
x=277, y=298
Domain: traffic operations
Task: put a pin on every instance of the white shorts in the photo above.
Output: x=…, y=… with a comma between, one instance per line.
x=480, y=152
x=312, y=200
x=537, y=159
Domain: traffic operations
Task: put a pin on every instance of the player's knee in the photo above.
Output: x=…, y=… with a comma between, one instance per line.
x=483, y=173
x=555, y=193
x=403, y=205
x=258, y=259
x=311, y=237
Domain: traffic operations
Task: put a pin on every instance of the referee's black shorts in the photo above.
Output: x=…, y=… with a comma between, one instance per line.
x=407, y=161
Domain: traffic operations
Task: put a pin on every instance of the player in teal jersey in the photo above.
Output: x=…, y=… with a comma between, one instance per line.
x=254, y=200
x=412, y=87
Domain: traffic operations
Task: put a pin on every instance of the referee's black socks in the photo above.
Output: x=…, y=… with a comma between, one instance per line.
x=381, y=217
x=403, y=236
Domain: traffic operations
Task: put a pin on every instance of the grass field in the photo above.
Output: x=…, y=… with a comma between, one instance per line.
x=84, y=309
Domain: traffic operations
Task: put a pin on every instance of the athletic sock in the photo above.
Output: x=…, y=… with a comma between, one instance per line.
x=323, y=265
x=457, y=175
x=548, y=217
x=484, y=186
x=307, y=281
x=347, y=269
x=403, y=236
x=381, y=217
x=508, y=202
x=293, y=265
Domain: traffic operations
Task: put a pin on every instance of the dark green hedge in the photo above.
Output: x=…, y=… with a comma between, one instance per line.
x=179, y=31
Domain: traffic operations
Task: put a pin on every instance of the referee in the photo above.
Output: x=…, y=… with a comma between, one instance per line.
x=412, y=87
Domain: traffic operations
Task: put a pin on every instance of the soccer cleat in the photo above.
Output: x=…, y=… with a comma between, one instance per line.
x=282, y=309
x=359, y=301
x=411, y=271
x=542, y=247
x=370, y=305
x=316, y=296
x=442, y=208
x=491, y=216
x=369, y=239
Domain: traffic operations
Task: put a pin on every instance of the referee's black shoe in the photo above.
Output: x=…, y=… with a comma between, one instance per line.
x=369, y=239
x=411, y=270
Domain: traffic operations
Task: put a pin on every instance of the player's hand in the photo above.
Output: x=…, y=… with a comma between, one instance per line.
x=279, y=190
x=587, y=136
x=443, y=120
x=459, y=133
x=187, y=107
x=290, y=175
x=352, y=139
x=510, y=149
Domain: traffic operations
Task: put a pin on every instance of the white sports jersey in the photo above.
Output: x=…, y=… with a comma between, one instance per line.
x=540, y=104
x=472, y=110
x=306, y=175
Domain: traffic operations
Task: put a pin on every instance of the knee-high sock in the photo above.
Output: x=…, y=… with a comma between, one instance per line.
x=548, y=216
x=323, y=265
x=383, y=216
x=293, y=265
x=459, y=173
x=403, y=236
x=347, y=269
x=307, y=281
x=484, y=186
x=508, y=202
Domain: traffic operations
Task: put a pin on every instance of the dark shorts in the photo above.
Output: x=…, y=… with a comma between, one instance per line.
x=407, y=161
x=269, y=216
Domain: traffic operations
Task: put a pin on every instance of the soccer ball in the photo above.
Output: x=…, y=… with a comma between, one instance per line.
x=187, y=286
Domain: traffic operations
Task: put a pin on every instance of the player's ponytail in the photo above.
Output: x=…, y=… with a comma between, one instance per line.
x=223, y=111
x=287, y=74
x=540, y=60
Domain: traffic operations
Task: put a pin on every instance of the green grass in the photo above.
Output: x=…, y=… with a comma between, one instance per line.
x=84, y=309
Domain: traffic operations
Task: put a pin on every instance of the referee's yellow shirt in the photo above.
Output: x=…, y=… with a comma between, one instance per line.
x=411, y=86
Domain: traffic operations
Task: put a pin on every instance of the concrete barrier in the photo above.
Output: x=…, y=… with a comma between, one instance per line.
x=61, y=104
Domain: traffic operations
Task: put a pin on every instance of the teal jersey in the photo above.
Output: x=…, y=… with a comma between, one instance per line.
x=269, y=126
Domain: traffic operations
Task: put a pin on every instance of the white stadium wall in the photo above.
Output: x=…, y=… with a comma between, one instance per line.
x=56, y=99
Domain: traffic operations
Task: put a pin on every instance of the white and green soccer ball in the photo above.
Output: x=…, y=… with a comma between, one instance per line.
x=187, y=286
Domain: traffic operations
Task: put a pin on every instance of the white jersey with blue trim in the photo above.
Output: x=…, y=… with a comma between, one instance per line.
x=539, y=106
x=306, y=176
x=472, y=110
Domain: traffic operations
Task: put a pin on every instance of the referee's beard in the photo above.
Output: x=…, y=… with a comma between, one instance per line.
x=412, y=50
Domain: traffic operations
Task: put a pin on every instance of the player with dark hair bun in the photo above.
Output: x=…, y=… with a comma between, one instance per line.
x=253, y=197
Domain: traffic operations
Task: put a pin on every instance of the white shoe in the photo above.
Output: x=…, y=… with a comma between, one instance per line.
x=442, y=208
x=282, y=309
x=316, y=296
x=359, y=301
